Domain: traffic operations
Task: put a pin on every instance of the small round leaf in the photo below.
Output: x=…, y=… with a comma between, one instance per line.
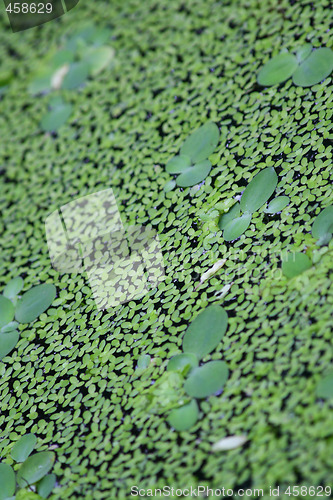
x=259, y=190
x=7, y=311
x=278, y=204
x=277, y=70
x=34, y=302
x=23, y=447
x=7, y=342
x=13, y=287
x=7, y=481
x=295, y=264
x=35, y=467
x=315, y=68
x=206, y=379
x=206, y=331
x=237, y=227
x=201, y=143
x=183, y=418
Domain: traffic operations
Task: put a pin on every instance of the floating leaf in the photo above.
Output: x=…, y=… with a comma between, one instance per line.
x=206, y=331
x=237, y=227
x=278, y=204
x=325, y=387
x=34, y=302
x=303, y=52
x=277, y=70
x=7, y=481
x=8, y=341
x=143, y=361
x=166, y=393
x=13, y=287
x=259, y=190
x=98, y=58
x=295, y=264
x=35, y=467
x=76, y=76
x=46, y=485
x=62, y=57
x=229, y=443
x=55, y=118
x=322, y=226
x=169, y=185
x=178, y=164
x=23, y=447
x=9, y=327
x=233, y=213
x=41, y=82
x=25, y=494
x=6, y=311
x=183, y=418
x=183, y=363
x=315, y=68
x=206, y=379
x=213, y=270
x=194, y=175
x=201, y=143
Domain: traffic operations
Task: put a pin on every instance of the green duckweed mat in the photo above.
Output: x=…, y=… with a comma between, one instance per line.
x=72, y=377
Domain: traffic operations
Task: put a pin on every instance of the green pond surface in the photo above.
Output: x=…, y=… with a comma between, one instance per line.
x=73, y=378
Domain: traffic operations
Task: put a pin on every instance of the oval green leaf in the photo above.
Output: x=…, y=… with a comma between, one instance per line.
x=259, y=190
x=278, y=204
x=183, y=418
x=182, y=362
x=9, y=327
x=7, y=342
x=7, y=311
x=277, y=70
x=237, y=227
x=206, y=331
x=169, y=186
x=206, y=379
x=46, y=485
x=34, y=302
x=233, y=213
x=76, y=76
x=295, y=264
x=55, y=118
x=7, y=481
x=201, y=143
x=325, y=386
x=98, y=58
x=315, y=68
x=322, y=224
x=194, y=175
x=143, y=362
x=13, y=287
x=303, y=52
x=23, y=447
x=178, y=164
x=35, y=467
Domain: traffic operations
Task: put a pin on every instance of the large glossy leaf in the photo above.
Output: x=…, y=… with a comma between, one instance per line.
x=35, y=467
x=7, y=481
x=277, y=70
x=323, y=224
x=34, y=302
x=46, y=485
x=295, y=263
x=237, y=227
x=278, y=204
x=206, y=379
x=206, y=331
x=183, y=362
x=7, y=342
x=13, y=287
x=183, y=418
x=325, y=386
x=12, y=325
x=194, y=175
x=23, y=447
x=178, y=164
x=259, y=190
x=232, y=214
x=303, y=52
x=315, y=68
x=6, y=311
x=201, y=143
